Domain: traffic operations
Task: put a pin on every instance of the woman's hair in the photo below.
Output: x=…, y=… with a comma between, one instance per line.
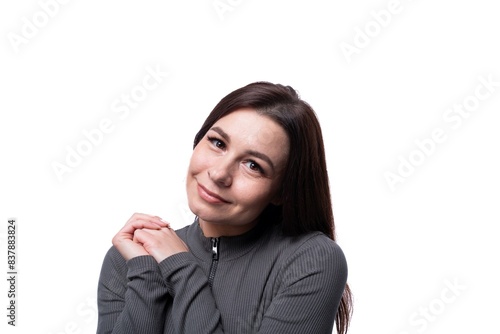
x=305, y=203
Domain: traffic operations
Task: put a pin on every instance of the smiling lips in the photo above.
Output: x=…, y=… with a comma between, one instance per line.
x=209, y=196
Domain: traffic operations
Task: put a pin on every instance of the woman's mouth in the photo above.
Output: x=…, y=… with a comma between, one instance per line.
x=209, y=196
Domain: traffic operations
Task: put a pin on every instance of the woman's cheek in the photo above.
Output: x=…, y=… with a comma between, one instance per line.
x=256, y=192
x=197, y=162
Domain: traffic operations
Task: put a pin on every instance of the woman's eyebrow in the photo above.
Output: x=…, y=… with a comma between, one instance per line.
x=262, y=156
x=254, y=153
x=222, y=133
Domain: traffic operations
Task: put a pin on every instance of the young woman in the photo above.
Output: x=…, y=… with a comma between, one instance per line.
x=260, y=256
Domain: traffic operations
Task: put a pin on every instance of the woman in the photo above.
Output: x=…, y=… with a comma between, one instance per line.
x=260, y=256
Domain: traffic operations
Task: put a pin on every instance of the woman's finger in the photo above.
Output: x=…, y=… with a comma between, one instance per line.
x=125, y=240
x=145, y=217
x=160, y=243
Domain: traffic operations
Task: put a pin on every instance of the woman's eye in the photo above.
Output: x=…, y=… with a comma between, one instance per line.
x=252, y=165
x=217, y=143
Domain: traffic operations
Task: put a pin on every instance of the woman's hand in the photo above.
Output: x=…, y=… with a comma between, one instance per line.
x=160, y=243
x=124, y=239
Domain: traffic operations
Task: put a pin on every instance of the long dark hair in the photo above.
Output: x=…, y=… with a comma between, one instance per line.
x=305, y=203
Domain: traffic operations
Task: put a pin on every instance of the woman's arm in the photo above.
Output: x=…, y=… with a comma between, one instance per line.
x=193, y=308
x=132, y=296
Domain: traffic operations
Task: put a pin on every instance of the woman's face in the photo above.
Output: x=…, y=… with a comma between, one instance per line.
x=236, y=171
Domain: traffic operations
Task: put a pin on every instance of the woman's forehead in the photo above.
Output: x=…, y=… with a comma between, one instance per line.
x=248, y=122
x=248, y=127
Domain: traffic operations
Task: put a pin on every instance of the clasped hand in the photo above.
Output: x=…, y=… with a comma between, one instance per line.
x=148, y=235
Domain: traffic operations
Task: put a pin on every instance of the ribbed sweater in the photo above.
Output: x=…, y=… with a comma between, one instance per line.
x=259, y=282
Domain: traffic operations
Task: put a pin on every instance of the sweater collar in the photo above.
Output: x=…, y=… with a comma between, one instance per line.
x=229, y=247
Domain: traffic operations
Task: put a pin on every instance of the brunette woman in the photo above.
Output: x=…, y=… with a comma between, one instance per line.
x=261, y=255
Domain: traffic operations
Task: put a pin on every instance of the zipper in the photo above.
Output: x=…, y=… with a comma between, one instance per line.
x=215, y=260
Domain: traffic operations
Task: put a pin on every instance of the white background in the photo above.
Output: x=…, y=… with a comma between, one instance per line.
x=405, y=246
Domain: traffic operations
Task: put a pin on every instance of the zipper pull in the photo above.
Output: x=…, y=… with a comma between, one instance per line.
x=215, y=248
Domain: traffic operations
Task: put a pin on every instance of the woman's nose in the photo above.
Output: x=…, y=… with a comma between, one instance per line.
x=221, y=173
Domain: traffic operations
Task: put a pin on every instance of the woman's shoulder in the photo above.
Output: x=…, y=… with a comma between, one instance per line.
x=313, y=257
x=314, y=240
x=312, y=247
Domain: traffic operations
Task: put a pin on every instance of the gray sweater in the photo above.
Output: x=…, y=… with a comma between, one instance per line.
x=258, y=282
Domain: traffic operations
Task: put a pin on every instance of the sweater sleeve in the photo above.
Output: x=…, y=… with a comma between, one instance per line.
x=312, y=282
x=131, y=294
x=194, y=309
